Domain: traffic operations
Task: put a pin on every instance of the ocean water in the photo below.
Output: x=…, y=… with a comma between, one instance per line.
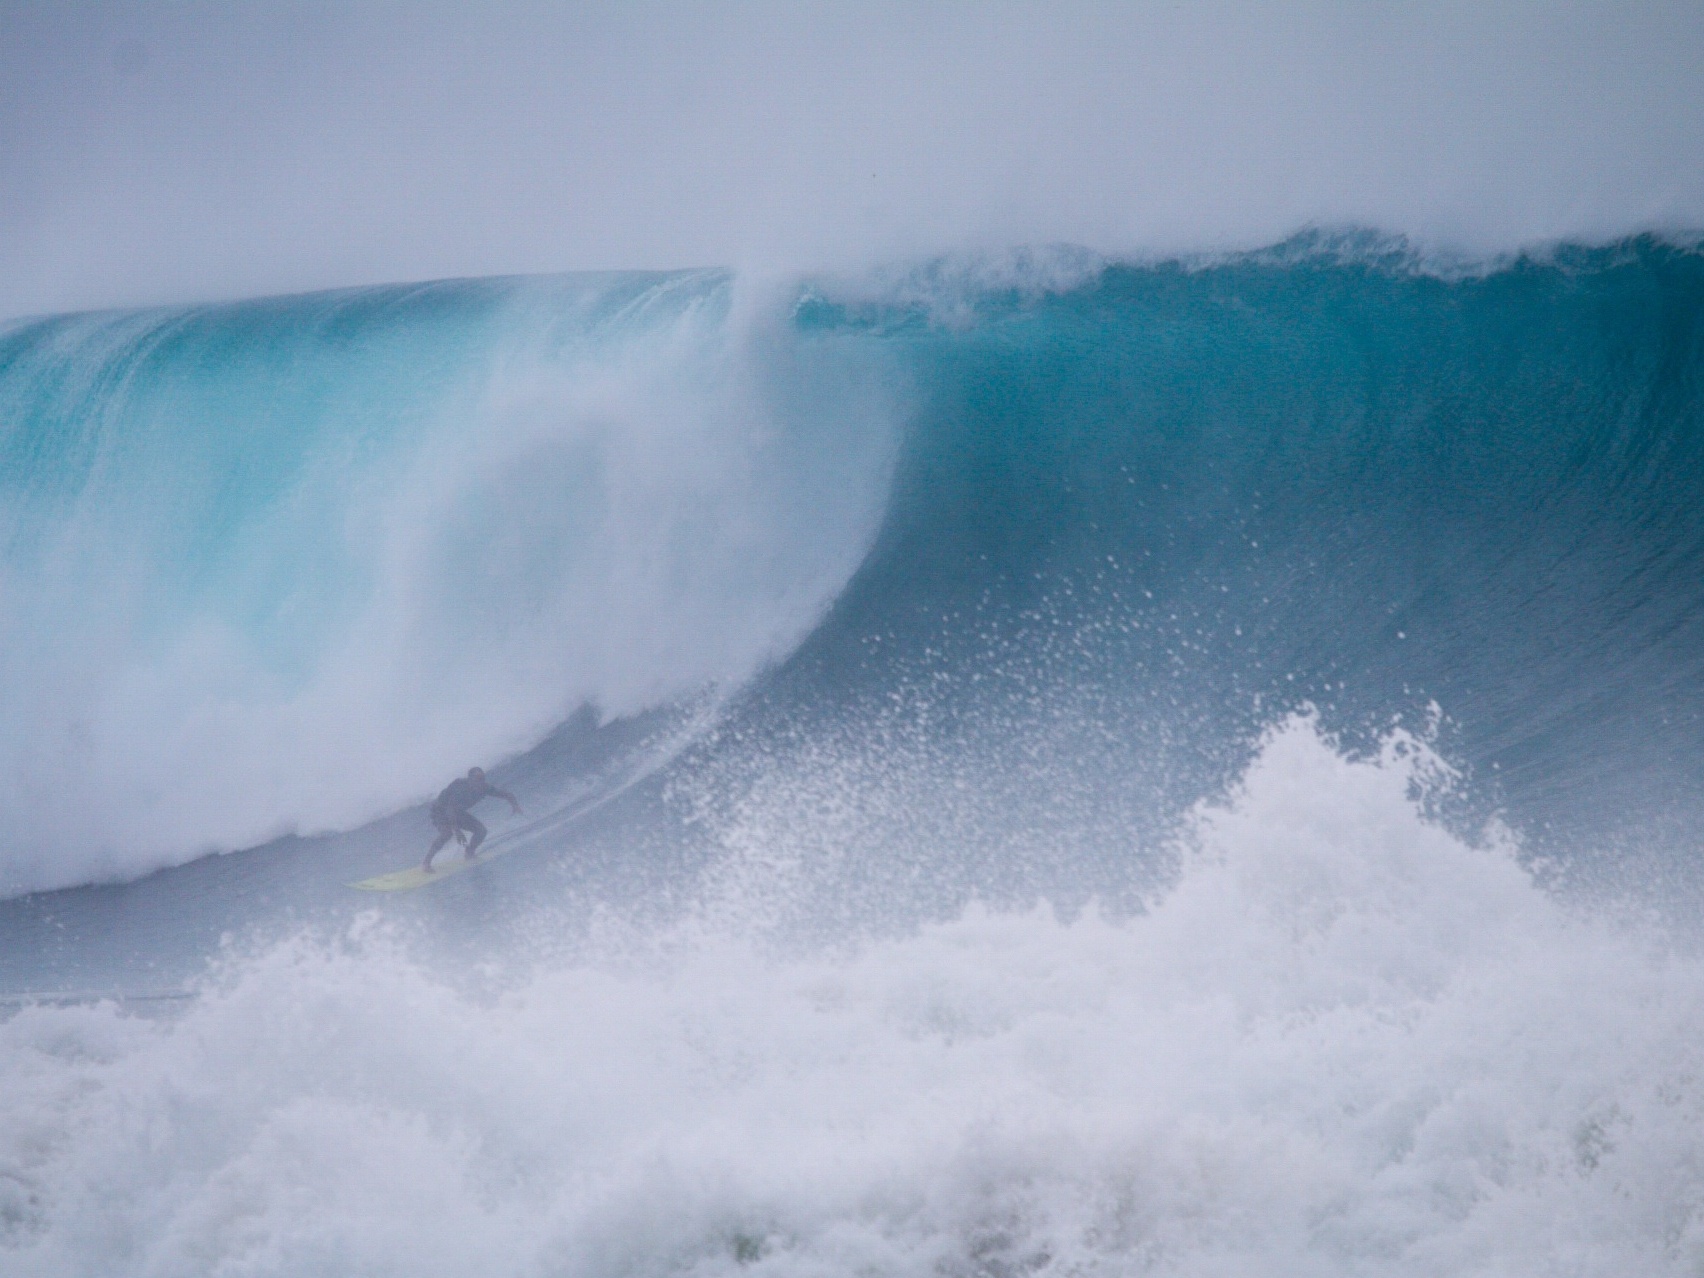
x=1035, y=765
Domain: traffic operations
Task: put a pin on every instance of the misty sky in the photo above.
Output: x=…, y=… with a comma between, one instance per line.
x=173, y=151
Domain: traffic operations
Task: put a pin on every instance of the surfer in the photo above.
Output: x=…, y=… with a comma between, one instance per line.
x=452, y=819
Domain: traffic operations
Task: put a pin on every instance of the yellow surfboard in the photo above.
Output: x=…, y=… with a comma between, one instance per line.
x=443, y=868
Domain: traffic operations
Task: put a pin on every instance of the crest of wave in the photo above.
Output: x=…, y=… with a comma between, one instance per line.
x=1344, y=1042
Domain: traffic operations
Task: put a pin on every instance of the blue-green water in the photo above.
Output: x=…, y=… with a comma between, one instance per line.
x=1040, y=766
x=425, y=523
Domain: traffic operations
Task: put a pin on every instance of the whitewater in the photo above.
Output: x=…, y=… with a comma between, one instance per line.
x=1034, y=764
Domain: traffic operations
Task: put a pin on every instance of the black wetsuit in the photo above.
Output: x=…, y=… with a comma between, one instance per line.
x=450, y=809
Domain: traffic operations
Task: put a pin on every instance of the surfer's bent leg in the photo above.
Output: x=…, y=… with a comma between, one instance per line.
x=446, y=830
x=472, y=826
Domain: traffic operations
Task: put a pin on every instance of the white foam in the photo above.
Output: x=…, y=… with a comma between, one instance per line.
x=1345, y=1043
x=612, y=522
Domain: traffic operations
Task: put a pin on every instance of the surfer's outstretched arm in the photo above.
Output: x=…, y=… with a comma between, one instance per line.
x=504, y=794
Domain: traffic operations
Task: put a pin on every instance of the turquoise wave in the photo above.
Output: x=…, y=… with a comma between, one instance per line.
x=277, y=565
x=1133, y=512
x=1217, y=492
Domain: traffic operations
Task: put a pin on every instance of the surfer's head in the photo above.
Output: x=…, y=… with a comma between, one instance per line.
x=476, y=774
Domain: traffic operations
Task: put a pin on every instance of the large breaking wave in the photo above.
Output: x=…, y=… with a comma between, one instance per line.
x=1039, y=766
x=282, y=565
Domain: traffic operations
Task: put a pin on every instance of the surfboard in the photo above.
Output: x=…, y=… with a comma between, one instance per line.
x=443, y=868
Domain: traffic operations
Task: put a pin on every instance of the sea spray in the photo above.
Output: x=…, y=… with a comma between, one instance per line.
x=1345, y=1041
x=283, y=566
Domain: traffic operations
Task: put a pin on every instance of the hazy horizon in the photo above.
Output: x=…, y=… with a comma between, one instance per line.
x=152, y=154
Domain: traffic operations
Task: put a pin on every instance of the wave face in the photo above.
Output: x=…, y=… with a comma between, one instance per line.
x=1130, y=768
x=1141, y=514
x=285, y=564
